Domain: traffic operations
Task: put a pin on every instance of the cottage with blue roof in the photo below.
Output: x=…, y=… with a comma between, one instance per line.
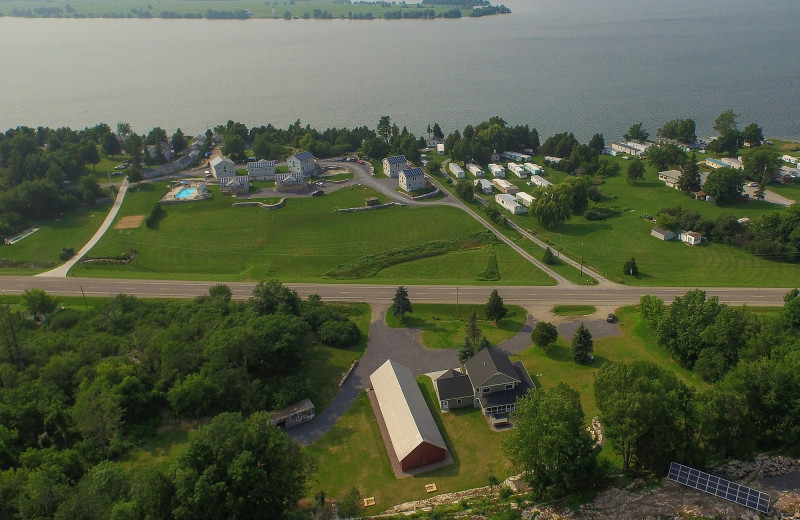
x=392, y=166
x=303, y=163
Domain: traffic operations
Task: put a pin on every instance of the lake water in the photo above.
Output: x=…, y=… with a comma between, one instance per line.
x=558, y=65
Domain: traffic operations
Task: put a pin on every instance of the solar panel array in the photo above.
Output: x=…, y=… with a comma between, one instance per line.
x=719, y=487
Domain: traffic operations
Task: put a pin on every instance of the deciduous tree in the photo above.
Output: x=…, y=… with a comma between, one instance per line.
x=725, y=185
x=544, y=334
x=637, y=133
x=550, y=444
x=239, y=468
x=635, y=171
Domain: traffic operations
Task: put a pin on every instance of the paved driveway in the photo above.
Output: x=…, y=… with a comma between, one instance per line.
x=403, y=346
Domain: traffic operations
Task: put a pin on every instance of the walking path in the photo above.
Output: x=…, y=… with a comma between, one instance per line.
x=402, y=345
x=62, y=270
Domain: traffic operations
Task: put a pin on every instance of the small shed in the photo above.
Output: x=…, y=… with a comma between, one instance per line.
x=295, y=414
x=692, y=238
x=662, y=234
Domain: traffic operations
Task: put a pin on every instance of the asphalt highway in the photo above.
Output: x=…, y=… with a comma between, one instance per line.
x=600, y=295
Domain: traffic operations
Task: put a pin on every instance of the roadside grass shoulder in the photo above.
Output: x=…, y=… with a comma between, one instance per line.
x=443, y=324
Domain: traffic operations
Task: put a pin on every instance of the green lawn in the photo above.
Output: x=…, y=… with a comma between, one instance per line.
x=299, y=242
x=443, y=325
x=353, y=454
x=326, y=365
x=637, y=342
x=40, y=251
x=574, y=310
x=605, y=245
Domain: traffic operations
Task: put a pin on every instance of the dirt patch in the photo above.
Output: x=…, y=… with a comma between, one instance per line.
x=130, y=222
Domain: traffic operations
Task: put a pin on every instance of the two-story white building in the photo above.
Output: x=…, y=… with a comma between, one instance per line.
x=261, y=170
x=412, y=179
x=222, y=167
x=303, y=163
x=392, y=166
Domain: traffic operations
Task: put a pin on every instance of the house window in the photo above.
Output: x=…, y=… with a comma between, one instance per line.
x=458, y=401
x=510, y=386
x=486, y=389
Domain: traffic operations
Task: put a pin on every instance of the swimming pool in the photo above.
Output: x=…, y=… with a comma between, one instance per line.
x=185, y=193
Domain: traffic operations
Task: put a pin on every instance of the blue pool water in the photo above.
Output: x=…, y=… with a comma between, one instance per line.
x=185, y=193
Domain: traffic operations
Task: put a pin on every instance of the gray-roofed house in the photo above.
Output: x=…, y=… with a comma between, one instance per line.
x=262, y=170
x=303, y=163
x=670, y=178
x=454, y=390
x=495, y=385
x=223, y=167
x=415, y=438
x=392, y=166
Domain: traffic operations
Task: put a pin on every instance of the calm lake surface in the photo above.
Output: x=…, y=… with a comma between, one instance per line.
x=583, y=66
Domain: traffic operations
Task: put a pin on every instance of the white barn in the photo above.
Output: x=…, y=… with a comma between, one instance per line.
x=510, y=203
x=415, y=438
x=261, y=170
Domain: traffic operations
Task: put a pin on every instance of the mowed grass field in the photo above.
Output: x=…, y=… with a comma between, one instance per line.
x=353, y=453
x=607, y=244
x=40, y=251
x=300, y=242
x=443, y=325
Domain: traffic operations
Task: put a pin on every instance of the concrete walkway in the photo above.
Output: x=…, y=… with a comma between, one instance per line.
x=62, y=270
x=405, y=347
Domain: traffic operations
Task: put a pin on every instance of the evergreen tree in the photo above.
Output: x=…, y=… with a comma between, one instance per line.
x=582, y=345
x=630, y=267
x=473, y=333
x=400, y=303
x=466, y=351
x=690, y=175
x=549, y=258
x=495, y=310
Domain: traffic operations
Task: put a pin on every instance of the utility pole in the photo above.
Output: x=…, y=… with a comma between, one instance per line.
x=84, y=298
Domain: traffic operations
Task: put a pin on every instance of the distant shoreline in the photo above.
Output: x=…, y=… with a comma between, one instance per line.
x=251, y=9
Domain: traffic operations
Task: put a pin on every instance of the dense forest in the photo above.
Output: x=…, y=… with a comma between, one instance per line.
x=81, y=388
